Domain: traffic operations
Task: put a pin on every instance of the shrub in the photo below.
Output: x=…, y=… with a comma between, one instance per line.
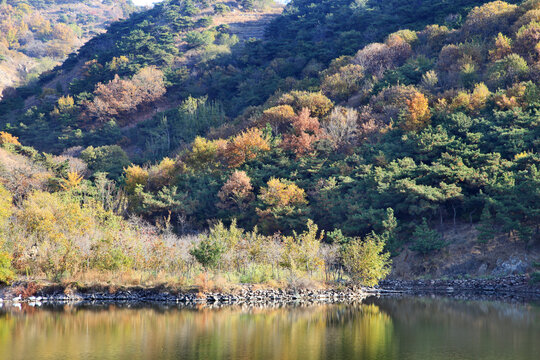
x=6, y=271
x=365, y=261
x=7, y=138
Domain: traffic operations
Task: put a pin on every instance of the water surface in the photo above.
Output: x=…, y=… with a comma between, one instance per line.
x=377, y=329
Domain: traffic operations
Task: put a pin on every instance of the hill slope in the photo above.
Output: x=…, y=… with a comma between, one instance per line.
x=425, y=142
x=39, y=34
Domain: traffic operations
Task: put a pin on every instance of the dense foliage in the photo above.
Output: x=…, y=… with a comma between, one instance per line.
x=377, y=143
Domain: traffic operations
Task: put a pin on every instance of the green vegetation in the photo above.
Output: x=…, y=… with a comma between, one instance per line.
x=310, y=136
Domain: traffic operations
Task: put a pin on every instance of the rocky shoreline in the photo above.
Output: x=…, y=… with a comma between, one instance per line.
x=514, y=284
x=247, y=295
x=508, y=287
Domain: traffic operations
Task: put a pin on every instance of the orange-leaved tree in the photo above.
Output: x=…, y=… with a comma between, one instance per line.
x=306, y=131
x=245, y=146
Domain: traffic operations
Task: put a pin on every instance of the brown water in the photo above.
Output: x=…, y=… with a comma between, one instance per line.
x=377, y=329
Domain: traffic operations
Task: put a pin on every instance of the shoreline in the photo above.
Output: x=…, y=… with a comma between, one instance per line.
x=511, y=287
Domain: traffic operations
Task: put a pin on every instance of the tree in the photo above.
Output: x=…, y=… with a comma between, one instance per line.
x=5, y=206
x=221, y=8
x=306, y=131
x=135, y=176
x=245, y=147
x=282, y=206
x=196, y=39
x=509, y=70
x=341, y=127
x=417, y=114
x=365, y=261
x=279, y=117
x=6, y=270
x=208, y=252
x=150, y=84
x=527, y=40
x=425, y=239
x=503, y=47
x=111, y=159
x=344, y=83
x=301, y=251
x=120, y=97
x=318, y=104
x=237, y=192
x=489, y=18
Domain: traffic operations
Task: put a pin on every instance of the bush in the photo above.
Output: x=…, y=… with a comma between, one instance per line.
x=6, y=271
x=365, y=260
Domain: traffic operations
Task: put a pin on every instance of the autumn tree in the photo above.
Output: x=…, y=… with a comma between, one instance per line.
x=317, y=103
x=245, y=146
x=279, y=117
x=135, y=176
x=343, y=83
x=237, y=192
x=282, y=206
x=489, y=18
x=150, y=84
x=120, y=96
x=528, y=40
x=301, y=251
x=417, y=114
x=503, y=47
x=305, y=131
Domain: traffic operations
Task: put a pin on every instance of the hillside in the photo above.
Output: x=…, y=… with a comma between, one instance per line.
x=199, y=56
x=351, y=130
x=39, y=34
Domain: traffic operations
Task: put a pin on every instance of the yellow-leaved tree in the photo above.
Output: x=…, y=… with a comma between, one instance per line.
x=417, y=114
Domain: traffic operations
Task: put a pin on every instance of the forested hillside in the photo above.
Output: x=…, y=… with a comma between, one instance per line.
x=381, y=127
x=36, y=35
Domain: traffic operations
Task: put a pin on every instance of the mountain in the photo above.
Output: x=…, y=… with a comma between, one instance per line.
x=37, y=35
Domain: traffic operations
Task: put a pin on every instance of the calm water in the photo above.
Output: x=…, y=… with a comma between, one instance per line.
x=378, y=329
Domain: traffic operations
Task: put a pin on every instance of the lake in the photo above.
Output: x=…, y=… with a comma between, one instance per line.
x=376, y=329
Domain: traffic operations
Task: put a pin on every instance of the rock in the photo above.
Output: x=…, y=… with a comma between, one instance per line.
x=512, y=266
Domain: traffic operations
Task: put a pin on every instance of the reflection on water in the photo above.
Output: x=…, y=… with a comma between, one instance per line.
x=378, y=329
